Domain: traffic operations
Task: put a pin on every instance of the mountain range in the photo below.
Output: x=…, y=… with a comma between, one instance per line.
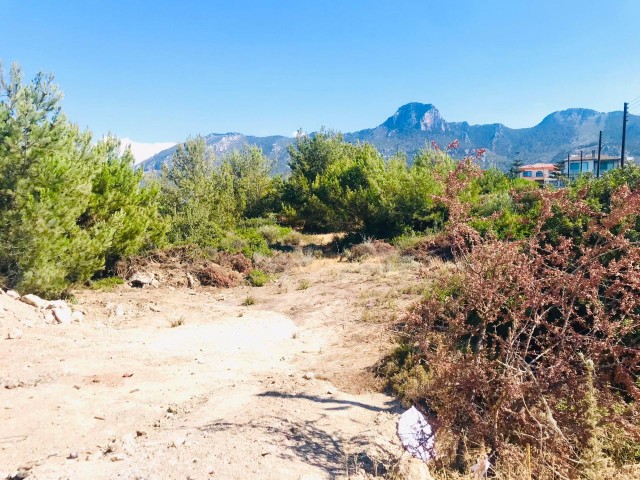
x=416, y=125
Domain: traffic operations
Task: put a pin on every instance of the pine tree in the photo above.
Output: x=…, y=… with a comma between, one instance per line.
x=65, y=205
x=514, y=170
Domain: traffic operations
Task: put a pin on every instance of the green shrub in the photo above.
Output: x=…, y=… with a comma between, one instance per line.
x=258, y=278
x=247, y=241
x=107, y=283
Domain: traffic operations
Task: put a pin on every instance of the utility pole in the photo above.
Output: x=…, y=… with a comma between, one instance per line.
x=625, y=114
x=599, y=151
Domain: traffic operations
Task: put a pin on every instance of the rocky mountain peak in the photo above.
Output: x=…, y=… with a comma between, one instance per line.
x=416, y=116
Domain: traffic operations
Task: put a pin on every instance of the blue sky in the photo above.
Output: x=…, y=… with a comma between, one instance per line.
x=159, y=71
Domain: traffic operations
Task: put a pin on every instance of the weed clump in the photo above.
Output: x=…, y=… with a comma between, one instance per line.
x=258, y=278
x=107, y=283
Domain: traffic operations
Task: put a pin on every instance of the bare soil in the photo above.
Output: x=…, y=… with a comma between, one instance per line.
x=270, y=382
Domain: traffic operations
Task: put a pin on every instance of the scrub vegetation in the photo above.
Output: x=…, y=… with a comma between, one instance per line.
x=525, y=344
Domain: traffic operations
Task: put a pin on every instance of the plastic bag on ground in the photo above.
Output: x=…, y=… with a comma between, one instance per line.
x=416, y=435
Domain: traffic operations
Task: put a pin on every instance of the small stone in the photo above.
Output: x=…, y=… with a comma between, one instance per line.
x=57, y=304
x=77, y=316
x=11, y=384
x=128, y=443
x=309, y=376
x=410, y=468
x=118, y=457
x=178, y=441
x=34, y=301
x=141, y=279
x=73, y=455
x=154, y=308
x=49, y=318
x=62, y=315
x=14, y=334
x=119, y=310
x=331, y=390
x=13, y=294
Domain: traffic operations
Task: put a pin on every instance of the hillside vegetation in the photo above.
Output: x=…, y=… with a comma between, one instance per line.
x=526, y=346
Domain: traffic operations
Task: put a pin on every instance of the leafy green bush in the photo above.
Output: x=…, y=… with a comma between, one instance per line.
x=258, y=278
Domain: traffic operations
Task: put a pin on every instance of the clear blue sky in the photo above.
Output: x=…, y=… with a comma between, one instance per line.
x=160, y=71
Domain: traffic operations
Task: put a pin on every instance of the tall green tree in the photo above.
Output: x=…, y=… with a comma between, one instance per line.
x=65, y=204
x=252, y=181
x=196, y=197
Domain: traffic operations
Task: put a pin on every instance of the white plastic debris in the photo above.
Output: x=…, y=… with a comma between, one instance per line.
x=416, y=435
x=481, y=468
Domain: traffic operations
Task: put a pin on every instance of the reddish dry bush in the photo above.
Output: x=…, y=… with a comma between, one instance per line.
x=235, y=261
x=214, y=275
x=537, y=342
x=361, y=251
x=370, y=248
x=383, y=248
x=172, y=265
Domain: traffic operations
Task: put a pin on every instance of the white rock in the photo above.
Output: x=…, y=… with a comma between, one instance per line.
x=29, y=323
x=118, y=457
x=49, y=318
x=62, y=315
x=77, y=316
x=141, y=279
x=129, y=443
x=34, y=301
x=14, y=334
x=119, y=310
x=13, y=294
x=57, y=304
x=309, y=376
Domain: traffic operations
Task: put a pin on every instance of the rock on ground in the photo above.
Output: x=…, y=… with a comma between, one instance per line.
x=410, y=468
x=34, y=301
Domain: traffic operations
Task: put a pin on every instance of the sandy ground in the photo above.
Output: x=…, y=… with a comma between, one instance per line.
x=162, y=383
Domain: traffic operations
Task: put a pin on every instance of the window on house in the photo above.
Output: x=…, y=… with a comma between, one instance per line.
x=526, y=174
x=539, y=174
x=574, y=167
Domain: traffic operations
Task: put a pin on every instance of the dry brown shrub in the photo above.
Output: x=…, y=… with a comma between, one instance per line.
x=535, y=345
x=370, y=248
x=383, y=248
x=438, y=246
x=235, y=261
x=279, y=262
x=172, y=265
x=214, y=275
x=361, y=251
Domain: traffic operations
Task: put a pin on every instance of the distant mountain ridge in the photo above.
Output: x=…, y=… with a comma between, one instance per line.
x=415, y=125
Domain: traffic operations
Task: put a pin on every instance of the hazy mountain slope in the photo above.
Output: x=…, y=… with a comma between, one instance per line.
x=415, y=125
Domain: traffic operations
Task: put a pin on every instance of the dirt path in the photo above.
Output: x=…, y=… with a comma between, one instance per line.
x=278, y=389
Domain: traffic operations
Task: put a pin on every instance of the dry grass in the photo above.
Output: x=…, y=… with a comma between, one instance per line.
x=176, y=322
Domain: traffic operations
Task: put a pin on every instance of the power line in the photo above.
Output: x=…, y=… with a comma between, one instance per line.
x=635, y=102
